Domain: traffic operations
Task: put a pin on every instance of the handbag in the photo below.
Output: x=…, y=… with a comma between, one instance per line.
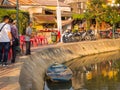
x=16, y=42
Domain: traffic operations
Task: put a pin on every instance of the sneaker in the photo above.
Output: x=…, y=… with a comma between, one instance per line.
x=4, y=64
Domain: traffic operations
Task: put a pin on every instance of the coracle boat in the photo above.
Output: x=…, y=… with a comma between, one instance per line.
x=59, y=72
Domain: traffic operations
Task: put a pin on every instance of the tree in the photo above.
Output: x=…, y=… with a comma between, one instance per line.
x=95, y=9
x=78, y=16
x=112, y=16
x=88, y=16
x=117, y=1
x=23, y=18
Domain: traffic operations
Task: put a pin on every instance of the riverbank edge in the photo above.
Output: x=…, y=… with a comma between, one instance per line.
x=34, y=66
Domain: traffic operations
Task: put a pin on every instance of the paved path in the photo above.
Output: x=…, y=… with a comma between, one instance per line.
x=9, y=76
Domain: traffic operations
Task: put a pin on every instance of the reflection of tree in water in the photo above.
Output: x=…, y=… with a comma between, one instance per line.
x=98, y=72
x=78, y=79
x=105, y=78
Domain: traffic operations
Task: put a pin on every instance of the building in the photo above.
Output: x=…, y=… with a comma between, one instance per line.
x=43, y=13
x=78, y=6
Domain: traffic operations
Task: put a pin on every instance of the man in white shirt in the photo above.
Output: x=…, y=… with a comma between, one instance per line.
x=5, y=40
x=27, y=38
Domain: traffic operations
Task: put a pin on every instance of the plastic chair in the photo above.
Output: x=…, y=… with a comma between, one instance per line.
x=42, y=40
x=22, y=42
x=34, y=42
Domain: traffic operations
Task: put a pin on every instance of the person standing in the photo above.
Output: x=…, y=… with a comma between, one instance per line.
x=5, y=40
x=27, y=38
x=14, y=32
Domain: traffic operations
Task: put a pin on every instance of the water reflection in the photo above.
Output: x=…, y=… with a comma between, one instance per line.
x=59, y=86
x=96, y=72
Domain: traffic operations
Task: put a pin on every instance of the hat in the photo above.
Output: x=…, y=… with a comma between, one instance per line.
x=15, y=21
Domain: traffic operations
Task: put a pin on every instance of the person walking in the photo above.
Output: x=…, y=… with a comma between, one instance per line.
x=14, y=32
x=5, y=40
x=27, y=38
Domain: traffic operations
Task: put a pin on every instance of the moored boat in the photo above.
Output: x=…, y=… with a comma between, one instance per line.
x=59, y=72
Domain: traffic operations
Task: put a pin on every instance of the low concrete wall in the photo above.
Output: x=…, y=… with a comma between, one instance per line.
x=34, y=67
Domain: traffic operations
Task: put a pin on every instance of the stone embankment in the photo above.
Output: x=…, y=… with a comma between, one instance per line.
x=34, y=66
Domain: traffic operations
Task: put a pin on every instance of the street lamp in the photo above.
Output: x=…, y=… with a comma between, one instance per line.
x=17, y=14
x=59, y=22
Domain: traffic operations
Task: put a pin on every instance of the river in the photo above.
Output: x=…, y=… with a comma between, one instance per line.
x=94, y=72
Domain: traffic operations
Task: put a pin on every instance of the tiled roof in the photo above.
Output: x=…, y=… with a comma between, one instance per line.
x=38, y=2
x=24, y=2
x=51, y=3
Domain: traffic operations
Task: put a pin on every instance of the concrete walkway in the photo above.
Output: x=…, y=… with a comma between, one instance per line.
x=9, y=76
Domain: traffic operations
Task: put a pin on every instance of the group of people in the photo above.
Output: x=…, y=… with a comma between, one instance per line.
x=8, y=36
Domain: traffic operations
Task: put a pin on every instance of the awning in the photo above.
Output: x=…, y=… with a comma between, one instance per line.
x=44, y=19
x=8, y=6
x=66, y=22
x=5, y=4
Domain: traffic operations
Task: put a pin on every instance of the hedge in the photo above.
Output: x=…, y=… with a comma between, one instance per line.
x=23, y=18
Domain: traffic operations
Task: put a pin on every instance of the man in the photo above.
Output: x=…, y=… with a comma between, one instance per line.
x=5, y=40
x=14, y=32
x=27, y=38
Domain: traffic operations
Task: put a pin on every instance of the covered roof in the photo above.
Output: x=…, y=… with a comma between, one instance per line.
x=66, y=22
x=49, y=19
x=74, y=1
x=52, y=3
x=5, y=4
x=44, y=19
x=38, y=2
x=24, y=2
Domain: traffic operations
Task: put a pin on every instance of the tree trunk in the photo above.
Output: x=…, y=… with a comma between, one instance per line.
x=96, y=30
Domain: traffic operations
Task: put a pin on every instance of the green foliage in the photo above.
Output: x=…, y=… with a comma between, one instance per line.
x=112, y=15
x=100, y=11
x=78, y=16
x=117, y=1
x=23, y=18
x=97, y=8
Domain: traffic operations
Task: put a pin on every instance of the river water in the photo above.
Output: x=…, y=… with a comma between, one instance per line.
x=95, y=72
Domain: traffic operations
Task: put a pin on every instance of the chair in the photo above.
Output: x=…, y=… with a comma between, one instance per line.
x=34, y=41
x=42, y=40
x=22, y=42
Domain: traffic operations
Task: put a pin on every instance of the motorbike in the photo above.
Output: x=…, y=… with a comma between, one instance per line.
x=109, y=34
x=91, y=33
x=67, y=37
x=86, y=35
x=78, y=36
